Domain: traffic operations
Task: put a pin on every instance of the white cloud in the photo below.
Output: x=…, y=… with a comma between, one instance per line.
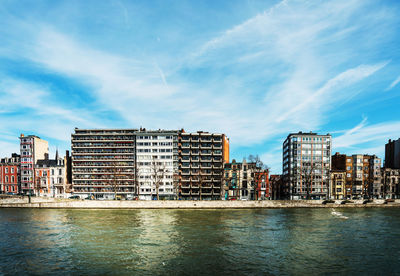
x=394, y=83
x=367, y=138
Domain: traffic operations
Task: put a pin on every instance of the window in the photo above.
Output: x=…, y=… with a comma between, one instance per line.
x=12, y=170
x=6, y=179
x=6, y=170
x=52, y=171
x=12, y=179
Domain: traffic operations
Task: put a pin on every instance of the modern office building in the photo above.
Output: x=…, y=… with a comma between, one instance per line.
x=392, y=154
x=157, y=163
x=306, y=165
x=202, y=156
x=32, y=149
x=103, y=162
x=363, y=176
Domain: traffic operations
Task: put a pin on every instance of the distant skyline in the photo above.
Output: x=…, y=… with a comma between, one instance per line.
x=254, y=70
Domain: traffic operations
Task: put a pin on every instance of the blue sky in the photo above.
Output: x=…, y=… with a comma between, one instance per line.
x=255, y=70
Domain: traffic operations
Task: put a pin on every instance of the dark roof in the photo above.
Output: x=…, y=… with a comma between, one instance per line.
x=48, y=163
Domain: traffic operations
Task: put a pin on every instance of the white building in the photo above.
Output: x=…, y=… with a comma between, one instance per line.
x=51, y=177
x=306, y=165
x=156, y=163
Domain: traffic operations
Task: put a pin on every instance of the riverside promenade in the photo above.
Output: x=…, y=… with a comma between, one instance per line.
x=186, y=204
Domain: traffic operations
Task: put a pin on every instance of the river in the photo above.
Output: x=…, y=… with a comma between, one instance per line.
x=200, y=242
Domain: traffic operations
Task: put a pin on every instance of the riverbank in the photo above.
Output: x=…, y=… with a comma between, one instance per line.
x=52, y=203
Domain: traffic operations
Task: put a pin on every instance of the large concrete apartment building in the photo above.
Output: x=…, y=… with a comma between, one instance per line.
x=157, y=163
x=103, y=162
x=306, y=165
x=148, y=164
x=202, y=156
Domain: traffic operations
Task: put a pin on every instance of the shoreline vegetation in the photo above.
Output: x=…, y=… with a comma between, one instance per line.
x=51, y=203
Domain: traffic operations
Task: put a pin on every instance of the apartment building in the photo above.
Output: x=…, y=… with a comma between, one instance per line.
x=277, y=187
x=239, y=182
x=362, y=171
x=392, y=154
x=157, y=163
x=50, y=175
x=390, y=184
x=10, y=174
x=306, y=165
x=32, y=148
x=103, y=162
x=337, y=185
x=201, y=159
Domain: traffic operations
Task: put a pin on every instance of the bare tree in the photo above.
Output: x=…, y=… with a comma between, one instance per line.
x=115, y=174
x=306, y=174
x=158, y=172
x=175, y=184
x=259, y=169
x=226, y=180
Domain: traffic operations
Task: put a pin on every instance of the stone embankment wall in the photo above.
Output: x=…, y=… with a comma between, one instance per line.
x=183, y=204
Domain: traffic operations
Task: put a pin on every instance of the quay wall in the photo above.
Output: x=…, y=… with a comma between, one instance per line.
x=185, y=204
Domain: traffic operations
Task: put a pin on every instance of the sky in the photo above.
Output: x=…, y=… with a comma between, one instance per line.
x=254, y=70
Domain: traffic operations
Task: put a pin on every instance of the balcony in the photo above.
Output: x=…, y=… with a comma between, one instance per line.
x=185, y=193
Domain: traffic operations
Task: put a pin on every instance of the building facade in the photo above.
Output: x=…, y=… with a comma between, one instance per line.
x=390, y=184
x=337, y=185
x=306, y=165
x=103, y=163
x=157, y=163
x=201, y=159
x=50, y=175
x=392, y=154
x=363, y=174
x=239, y=181
x=32, y=149
x=277, y=187
x=10, y=175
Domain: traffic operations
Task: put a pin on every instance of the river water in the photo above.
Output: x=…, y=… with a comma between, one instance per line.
x=200, y=242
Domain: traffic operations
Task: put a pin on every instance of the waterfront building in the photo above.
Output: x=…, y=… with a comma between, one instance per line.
x=277, y=187
x=201, y=160
x=10, y=174
x=32, y=149
x=363, y=174
x=239, y=182
x=51, y=178
x=390, y=183
x=157, y=163
x=337, y=187
x=392, y=154
x=306, y=165
x=103, y=162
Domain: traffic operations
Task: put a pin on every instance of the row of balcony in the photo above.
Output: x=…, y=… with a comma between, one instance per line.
x=188, y=152
x=91, y=154
x=99, y=140
x=187, y=138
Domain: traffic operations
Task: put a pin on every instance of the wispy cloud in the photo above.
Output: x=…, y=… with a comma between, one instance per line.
x=393, y=84
x=280, y=69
